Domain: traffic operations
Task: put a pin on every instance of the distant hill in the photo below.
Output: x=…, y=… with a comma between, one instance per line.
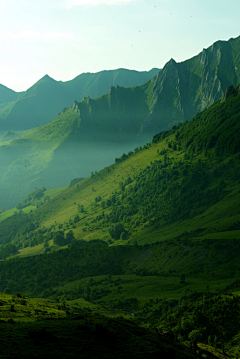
x=7, y=95
x=44, y=100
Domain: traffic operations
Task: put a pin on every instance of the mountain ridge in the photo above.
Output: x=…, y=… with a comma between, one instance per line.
x=43, y=106
x=114, y=123
x=177, y=93
x=154, y=236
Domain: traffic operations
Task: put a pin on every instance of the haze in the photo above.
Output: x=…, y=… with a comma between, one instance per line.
x=68, y=37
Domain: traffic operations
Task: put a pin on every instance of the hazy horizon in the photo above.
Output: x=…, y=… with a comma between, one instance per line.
x=66, y=38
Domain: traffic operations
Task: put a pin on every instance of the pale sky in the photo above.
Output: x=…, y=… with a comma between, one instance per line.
x=64, y=38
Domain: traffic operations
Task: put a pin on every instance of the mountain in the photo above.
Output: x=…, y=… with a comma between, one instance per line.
x=181, y=174
x=177, y=93
x=98, y=130
x=54, y=154
x=44, y=100
x=154, y=237
x=171, y=182
x=7, y=95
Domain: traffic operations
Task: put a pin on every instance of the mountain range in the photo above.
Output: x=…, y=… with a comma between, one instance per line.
x=90, y=134
x=43, y=101
x=154, y=237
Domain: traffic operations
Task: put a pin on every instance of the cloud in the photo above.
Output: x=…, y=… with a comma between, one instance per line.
x=73, y=3
x=33, y=35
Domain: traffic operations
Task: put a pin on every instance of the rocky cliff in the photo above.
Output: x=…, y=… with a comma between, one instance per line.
x=177, y=93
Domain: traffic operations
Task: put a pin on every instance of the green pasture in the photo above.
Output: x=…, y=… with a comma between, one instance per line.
x=145, y=288
x=22, y=309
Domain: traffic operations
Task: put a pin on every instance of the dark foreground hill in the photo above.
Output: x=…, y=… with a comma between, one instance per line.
x=37, y=330
x=87, y=336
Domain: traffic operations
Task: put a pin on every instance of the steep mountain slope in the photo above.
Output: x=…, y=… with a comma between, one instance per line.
x=44, y=100
x=120, y=120
x=185, y=183
x=177, y=93
x=156, y=235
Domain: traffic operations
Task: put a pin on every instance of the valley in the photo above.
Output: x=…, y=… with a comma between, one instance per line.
x=48, y=143
x=114, y=228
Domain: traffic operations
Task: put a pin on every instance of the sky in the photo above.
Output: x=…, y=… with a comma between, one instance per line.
x=64, y=38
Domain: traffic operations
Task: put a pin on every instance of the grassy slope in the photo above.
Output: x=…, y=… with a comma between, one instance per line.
x=216, y=219
x=185, y=246
x=22, y=309
x=50, y=193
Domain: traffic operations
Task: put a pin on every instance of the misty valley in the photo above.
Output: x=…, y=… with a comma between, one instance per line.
x=120, y=216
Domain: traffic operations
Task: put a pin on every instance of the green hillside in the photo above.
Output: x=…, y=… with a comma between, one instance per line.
x=45, y=99
x=154, y=237
x=183, y=181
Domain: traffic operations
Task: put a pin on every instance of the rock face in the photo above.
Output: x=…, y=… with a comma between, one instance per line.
x=177, y=93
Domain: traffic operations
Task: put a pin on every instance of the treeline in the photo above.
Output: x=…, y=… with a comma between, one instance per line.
x=208, y=317
x=35, y=198
x=19, y=225
x=75, y=181
x=22, y=230
x=130, y=153
x=36, y=275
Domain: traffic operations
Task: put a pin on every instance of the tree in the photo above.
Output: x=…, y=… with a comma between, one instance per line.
x=195, y=335
x=58, y=238
x=69, y=236
x=81, y=208
x=76, y=218
x=117, y=230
